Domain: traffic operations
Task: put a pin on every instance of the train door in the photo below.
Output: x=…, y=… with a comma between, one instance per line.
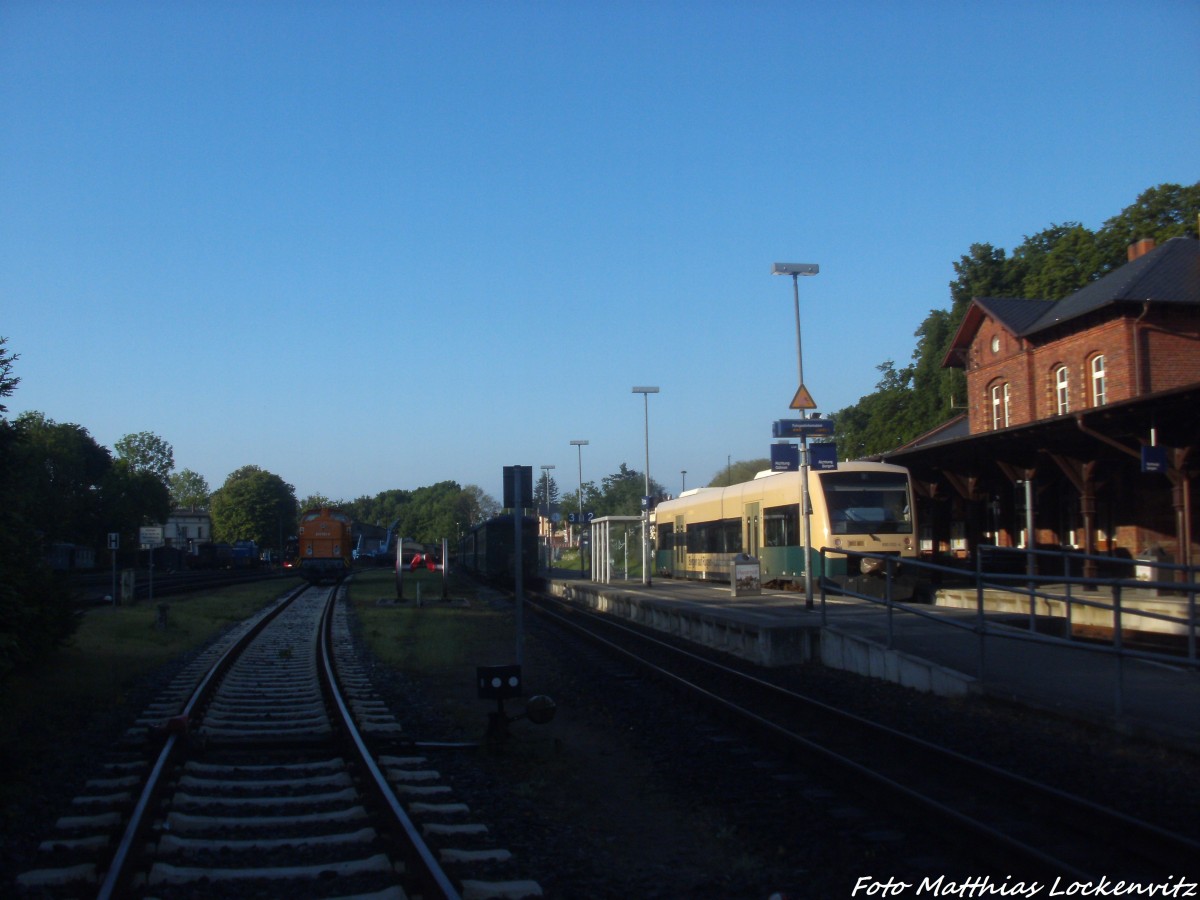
x=751, y=530
x=679, y=545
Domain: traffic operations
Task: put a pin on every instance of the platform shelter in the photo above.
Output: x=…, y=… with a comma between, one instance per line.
x=616, y=549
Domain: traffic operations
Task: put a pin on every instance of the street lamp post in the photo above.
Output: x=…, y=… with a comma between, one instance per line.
x=646, y=392
x=579, y=445
x=801, y=401
x=546, y=497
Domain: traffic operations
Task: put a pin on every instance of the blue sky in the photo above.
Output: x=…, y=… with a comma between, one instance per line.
x=380, y=245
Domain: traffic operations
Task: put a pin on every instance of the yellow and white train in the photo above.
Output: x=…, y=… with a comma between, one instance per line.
x=861, y=506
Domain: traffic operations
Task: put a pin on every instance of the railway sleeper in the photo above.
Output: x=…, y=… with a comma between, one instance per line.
x=192, y=823
x=40, y=879
x=184, y=800
x=200, y=783
x=177, y=845
x=169, y=874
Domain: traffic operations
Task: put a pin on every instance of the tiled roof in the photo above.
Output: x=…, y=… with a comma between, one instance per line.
x=1169, y=273
x=1015, y=313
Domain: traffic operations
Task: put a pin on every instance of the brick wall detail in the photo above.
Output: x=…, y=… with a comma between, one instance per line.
x=1162, y=342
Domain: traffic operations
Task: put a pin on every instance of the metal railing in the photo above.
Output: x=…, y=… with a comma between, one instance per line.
x=1056, y=597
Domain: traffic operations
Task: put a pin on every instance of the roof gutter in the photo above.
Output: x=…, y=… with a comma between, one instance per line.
x=1137, y=349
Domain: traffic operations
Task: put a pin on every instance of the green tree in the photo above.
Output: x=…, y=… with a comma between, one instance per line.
x=318, y=501
x=147, y=452
x=1071, y=260
x=427, y=514
x=540, y=491
x=479, y=505
x=189, y=490
x=983, y=272
x=132, y=497
x=1162, y=212
x=436, y=510
x=937, y=390
x=621, y=493
x=879, y=421
x=736, y=473
x=253, y=504
x=8, y=382
x=383, y=509
x=63, y=469
x=35, y=609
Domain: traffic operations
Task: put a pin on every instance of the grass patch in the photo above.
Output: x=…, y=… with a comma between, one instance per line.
x=87, y=683
x=438, y=635
x=440, y=642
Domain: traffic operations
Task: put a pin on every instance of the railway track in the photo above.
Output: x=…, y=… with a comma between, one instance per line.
x=278, y=772
x=97, y=589
x=993, y=819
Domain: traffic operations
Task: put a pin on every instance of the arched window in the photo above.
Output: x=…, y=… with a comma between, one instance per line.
x=1062, y=389
x=1099, y=390
x=1000, y=405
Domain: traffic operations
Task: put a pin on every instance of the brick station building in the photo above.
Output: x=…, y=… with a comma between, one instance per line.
x=1094, y=400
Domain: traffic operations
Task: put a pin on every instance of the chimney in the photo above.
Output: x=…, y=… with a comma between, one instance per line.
x=1140, y=248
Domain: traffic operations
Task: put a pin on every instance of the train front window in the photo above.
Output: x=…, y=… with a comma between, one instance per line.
x=867, y=502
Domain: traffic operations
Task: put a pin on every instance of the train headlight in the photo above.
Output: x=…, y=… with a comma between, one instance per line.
x=837, y=542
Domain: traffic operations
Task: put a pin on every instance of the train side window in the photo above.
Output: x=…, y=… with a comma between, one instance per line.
x=666, y=536
x=731, y=530
x=781, y=526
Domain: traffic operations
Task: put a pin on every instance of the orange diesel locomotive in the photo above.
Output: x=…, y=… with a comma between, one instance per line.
x=325, y=545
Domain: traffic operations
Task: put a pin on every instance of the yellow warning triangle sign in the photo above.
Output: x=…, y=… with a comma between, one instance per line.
x=803, y=399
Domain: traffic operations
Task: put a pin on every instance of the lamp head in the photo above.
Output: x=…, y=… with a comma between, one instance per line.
x=795, y=269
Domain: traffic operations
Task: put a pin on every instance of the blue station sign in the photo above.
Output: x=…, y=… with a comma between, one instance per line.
x=785, y=428
x=823, y=457
x=1154, y=459
x=785, y=458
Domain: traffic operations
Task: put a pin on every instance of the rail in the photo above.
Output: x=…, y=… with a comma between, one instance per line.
x=118, y=870
x=1068, y=590
x=419, y=860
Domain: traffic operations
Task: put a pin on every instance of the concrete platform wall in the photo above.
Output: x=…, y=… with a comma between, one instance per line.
x=771, y=644
x=1086, y=609
x=841, y=650
x=739, y=635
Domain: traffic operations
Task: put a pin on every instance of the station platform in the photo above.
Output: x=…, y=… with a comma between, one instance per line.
x=1147, y=698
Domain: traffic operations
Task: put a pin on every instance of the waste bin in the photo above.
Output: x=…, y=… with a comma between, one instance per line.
x=128, y=593
x=745, y=576
x=1147, y=565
